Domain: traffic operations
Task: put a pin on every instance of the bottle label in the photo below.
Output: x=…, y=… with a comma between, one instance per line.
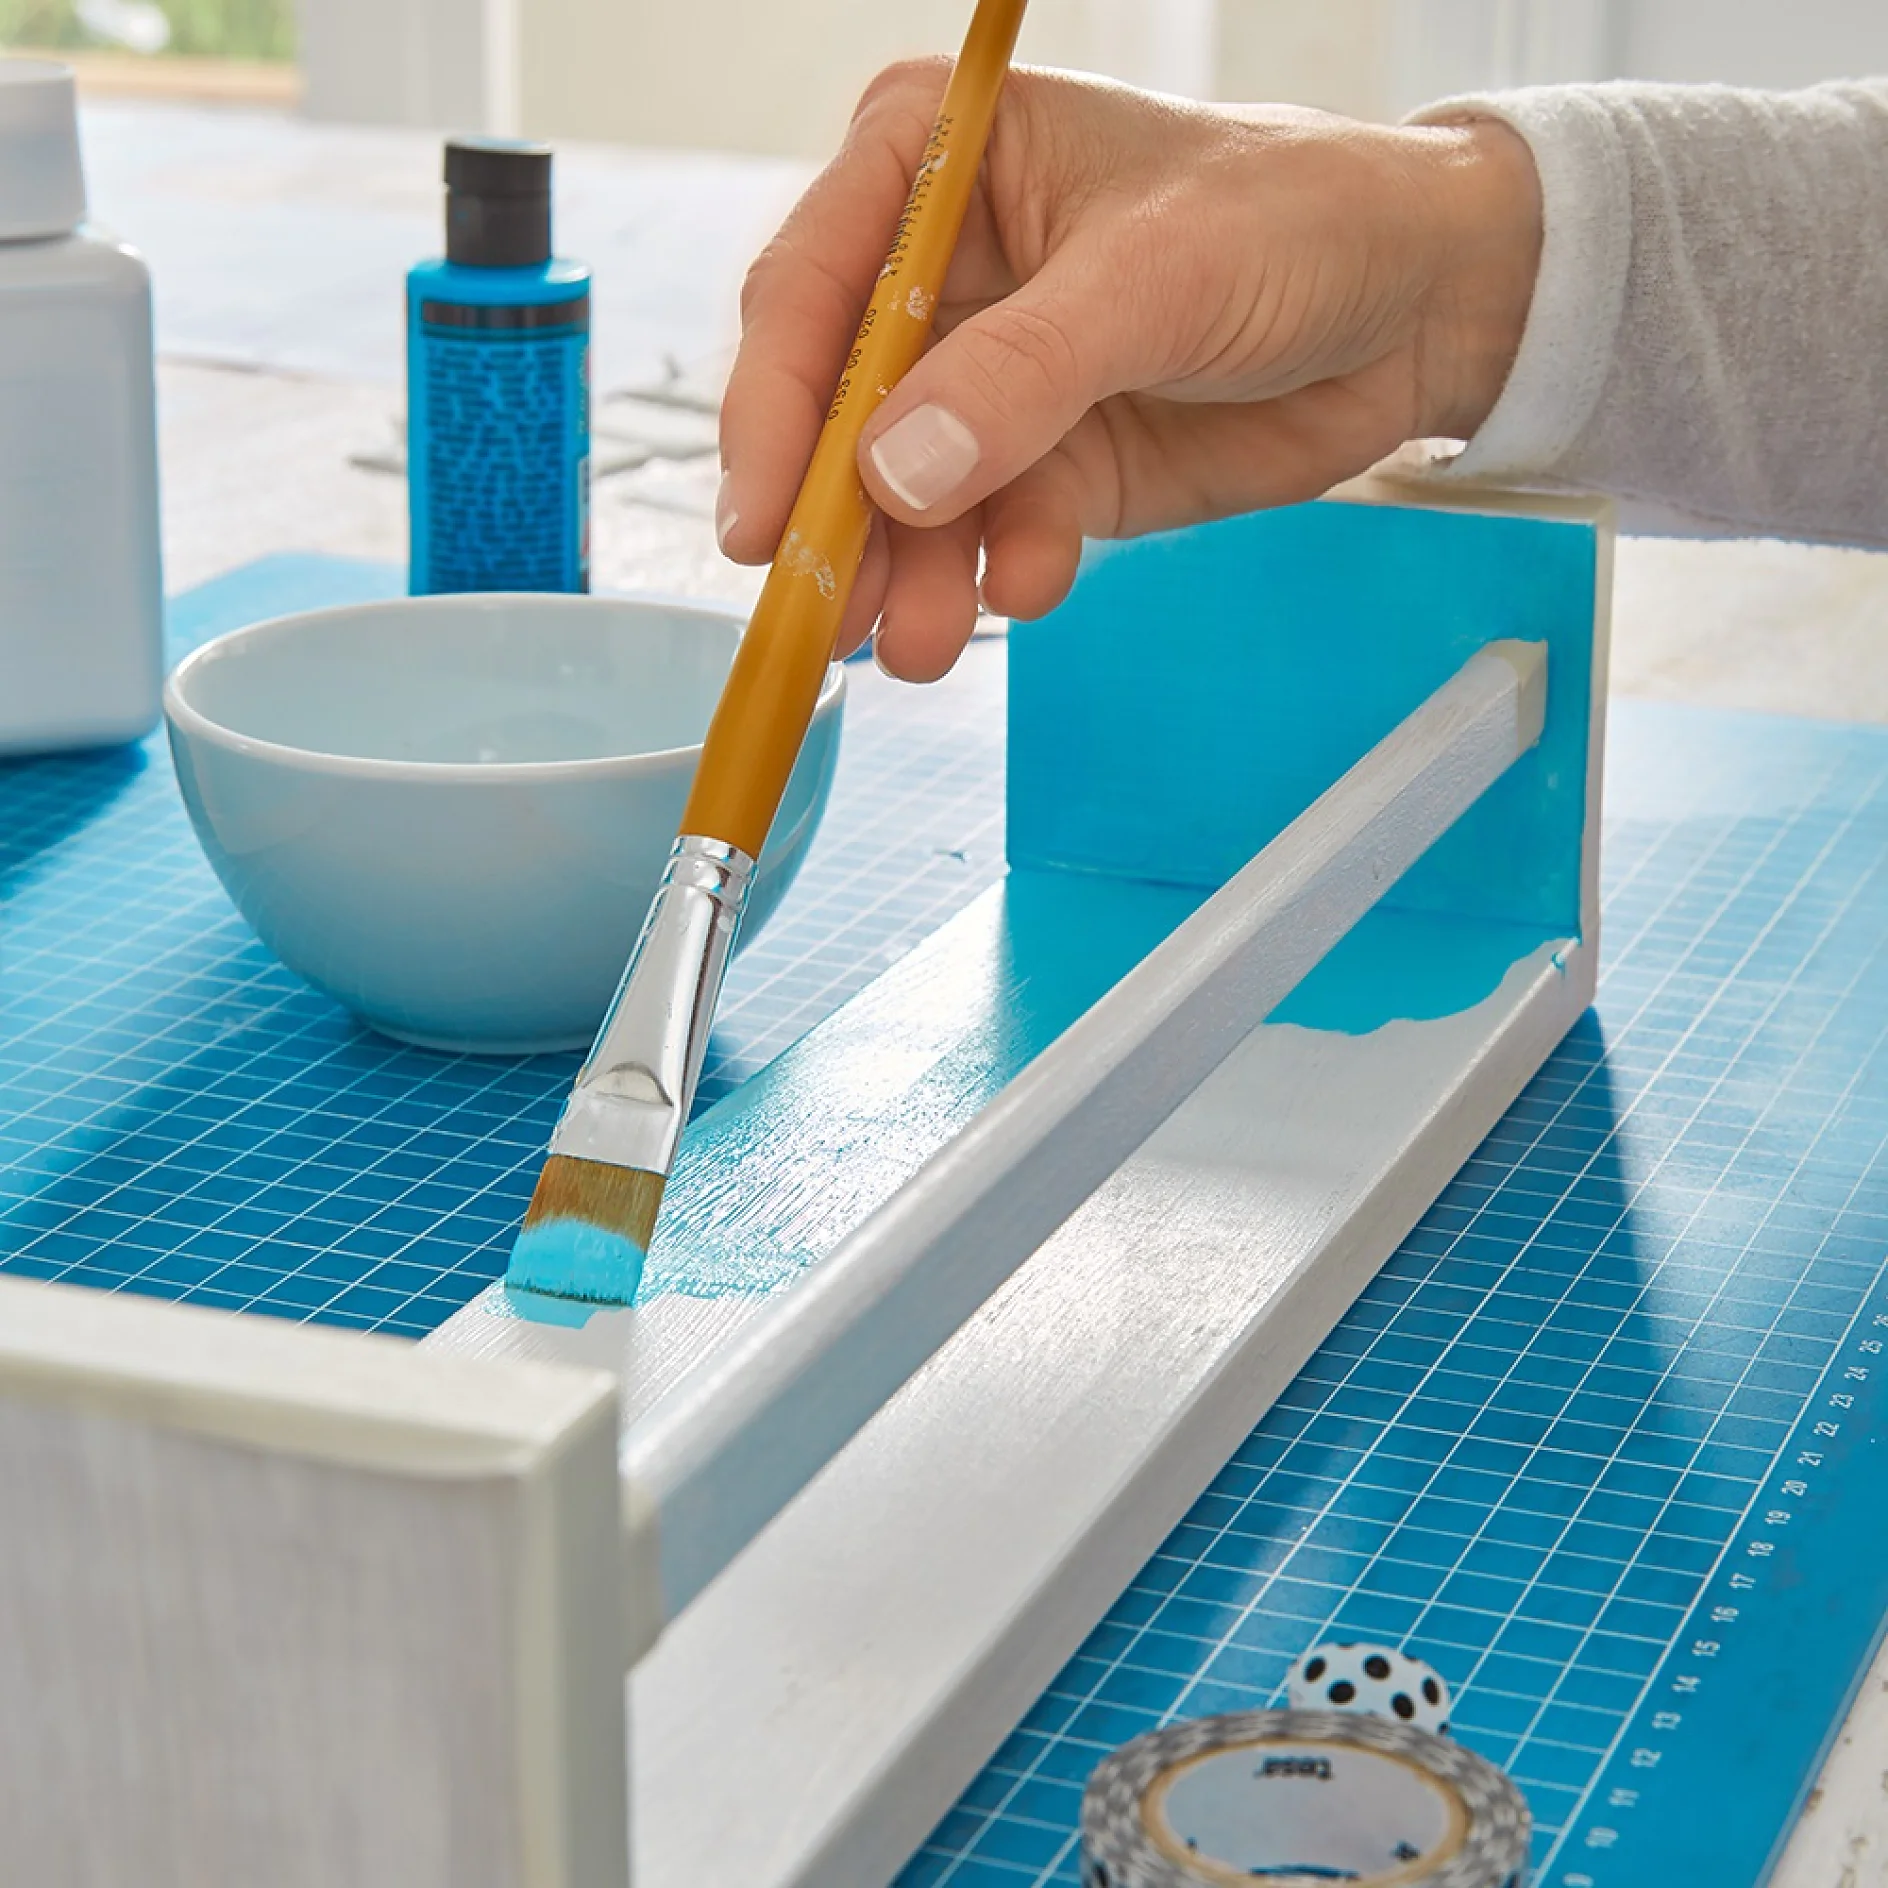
x=499, y=449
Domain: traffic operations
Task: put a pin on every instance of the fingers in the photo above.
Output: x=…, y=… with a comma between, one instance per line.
x=801, y=303
x=1032, y=538
x=920, y=586
x=930, y=599
x=867, y=601
x=994, y=395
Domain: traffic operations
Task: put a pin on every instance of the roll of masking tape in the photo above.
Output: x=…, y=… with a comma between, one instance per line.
x=1299, y=1799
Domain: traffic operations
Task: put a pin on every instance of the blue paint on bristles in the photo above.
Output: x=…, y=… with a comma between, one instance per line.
x=586, y=1231
x=572, y=1258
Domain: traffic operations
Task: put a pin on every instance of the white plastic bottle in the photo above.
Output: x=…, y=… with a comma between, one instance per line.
x=81, y=589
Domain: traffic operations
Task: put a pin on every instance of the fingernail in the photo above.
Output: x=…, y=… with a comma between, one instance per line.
x=878, y=661
x=726, y=517
x=925, y=456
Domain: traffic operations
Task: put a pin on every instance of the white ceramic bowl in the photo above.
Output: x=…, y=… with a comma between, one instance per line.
x=452, y=812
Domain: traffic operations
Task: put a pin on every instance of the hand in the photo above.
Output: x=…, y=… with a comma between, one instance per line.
x=1158, y=313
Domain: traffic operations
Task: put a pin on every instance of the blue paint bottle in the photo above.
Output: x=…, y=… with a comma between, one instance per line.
x=498, y=386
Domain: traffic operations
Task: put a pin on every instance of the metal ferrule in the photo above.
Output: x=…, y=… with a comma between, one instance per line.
x=632, y=1096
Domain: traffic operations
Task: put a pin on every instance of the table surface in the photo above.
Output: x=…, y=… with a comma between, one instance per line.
x=280, y=414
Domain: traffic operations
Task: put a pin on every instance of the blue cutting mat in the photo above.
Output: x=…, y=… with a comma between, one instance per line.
x=181, y=1116
x=1602, y=1441
x=1570, y=1445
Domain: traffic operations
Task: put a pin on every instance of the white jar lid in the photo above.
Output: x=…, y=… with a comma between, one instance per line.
x=42, y=187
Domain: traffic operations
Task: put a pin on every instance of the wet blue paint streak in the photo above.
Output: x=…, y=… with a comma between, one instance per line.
x=772, y=1177
x=540, y=1307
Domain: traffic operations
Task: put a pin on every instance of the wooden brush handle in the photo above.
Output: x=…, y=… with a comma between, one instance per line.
x=769, y=696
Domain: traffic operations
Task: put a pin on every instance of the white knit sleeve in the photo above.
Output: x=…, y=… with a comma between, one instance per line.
x=1709, y=327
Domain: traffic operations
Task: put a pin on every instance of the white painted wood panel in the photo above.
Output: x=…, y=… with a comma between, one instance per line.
x=817, y=1709
x=296, y=1606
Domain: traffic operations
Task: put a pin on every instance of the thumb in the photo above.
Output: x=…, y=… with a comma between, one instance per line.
x=990, y=399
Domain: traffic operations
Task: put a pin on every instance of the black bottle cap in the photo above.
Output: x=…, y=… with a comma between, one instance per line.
x=498, y=202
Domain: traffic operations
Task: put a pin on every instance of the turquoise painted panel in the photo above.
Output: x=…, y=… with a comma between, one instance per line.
x=1409, y=965
x=1199, y=689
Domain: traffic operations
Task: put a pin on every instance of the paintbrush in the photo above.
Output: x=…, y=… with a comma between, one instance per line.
x=588, y=1227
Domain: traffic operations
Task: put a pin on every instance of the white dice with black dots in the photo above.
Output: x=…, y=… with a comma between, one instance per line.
x=1371, y=1679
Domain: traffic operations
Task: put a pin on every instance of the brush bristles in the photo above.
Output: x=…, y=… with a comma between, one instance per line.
x=622, y=1200
x=586, y=1231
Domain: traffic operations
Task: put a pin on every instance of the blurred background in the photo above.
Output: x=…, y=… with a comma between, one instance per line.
x=278, y=163
x=778, y=76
